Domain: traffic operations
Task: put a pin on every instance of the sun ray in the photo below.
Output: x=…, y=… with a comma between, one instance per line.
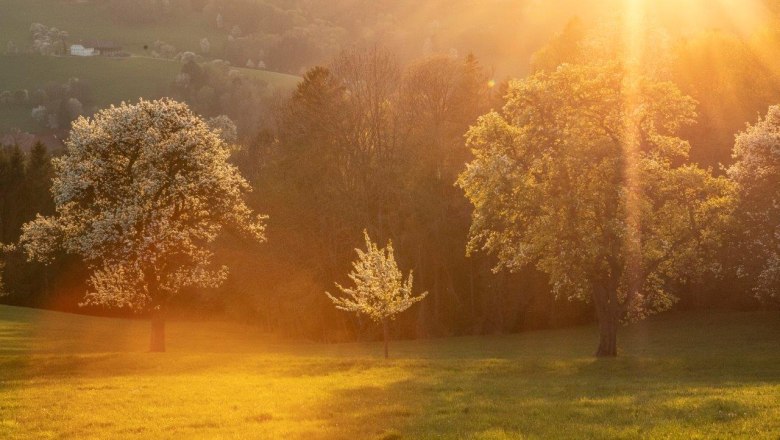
x=633, y=39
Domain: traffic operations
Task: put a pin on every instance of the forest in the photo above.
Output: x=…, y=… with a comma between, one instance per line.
x=370, y=141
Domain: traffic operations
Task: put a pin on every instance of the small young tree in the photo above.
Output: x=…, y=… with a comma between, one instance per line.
x=380, y=291
x=141, y=193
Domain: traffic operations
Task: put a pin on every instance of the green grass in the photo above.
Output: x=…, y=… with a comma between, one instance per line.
x=112, y=80
x=679, y=376
x=91, y=20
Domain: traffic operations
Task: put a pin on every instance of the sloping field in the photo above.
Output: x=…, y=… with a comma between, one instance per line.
x=679, y=376
x=91, y=20
x=112, y=80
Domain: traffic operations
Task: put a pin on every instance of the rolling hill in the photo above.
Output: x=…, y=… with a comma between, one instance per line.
x=502, y=33
x=90, y=20
x=112, y=80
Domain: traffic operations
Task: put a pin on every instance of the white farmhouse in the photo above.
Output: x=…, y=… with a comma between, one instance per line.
x=81, y=51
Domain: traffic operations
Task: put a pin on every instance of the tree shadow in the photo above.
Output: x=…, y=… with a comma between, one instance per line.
x=675, y=382
x=580, y=398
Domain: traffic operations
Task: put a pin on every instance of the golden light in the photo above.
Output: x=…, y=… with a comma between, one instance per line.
x=633, y=36
x=745, y=18
x=740, y=16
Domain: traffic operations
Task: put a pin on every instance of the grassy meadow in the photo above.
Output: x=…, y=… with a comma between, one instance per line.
x=91, y=20
x=714, y=375
x=112, y=80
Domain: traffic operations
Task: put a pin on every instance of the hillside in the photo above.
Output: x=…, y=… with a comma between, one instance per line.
x=292, y=35
x=680, y=376
x=295, y=34
x=90, y=20
x=112, y=80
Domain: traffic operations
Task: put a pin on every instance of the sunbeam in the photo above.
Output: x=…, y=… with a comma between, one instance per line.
x=634, y=44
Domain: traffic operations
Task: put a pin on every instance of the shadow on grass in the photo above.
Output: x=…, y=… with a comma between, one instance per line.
x=14, y=340
x=582, y=398
x=694, y=378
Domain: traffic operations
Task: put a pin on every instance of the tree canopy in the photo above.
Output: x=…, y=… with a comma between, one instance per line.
x=756, y=171
x=140, y=193
x=582, y=175
x=380, y=290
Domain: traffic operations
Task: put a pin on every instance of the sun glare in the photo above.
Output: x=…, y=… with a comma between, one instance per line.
x=391, y=219
x=633, y=46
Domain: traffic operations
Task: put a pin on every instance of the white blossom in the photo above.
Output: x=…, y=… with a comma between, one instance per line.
x=140, y=194
x=380, y=291
x=756, y=171
x=225, y=128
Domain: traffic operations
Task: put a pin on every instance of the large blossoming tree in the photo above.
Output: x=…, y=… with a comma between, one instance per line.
x=141, y=193
x=756, y=171
x=583, y=176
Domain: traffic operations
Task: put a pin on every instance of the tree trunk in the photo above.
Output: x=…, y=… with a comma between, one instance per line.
x=157, y=341
x=605, y=300
x=607, y=337
x=385, y=334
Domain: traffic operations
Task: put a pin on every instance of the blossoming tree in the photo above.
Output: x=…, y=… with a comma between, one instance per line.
x=140, y=194
x=582, y=175
x=756, y=171
x=380, y=291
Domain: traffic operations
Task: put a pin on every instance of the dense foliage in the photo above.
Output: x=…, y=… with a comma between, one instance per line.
x=140, y=194
x=576, y=176
x=213, y=88
x=25, y=179
x=757, y=172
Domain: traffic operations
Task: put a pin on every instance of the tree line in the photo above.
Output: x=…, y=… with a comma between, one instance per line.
x=579, y=183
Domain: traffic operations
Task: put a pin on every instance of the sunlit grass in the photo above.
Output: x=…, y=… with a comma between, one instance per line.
x=680, y=376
